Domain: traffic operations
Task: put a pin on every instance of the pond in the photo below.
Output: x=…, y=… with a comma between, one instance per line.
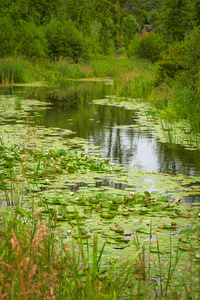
x=140, y=195
x=72, y=108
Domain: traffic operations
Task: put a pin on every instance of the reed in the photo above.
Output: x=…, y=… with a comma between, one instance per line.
x=36, y=263
x=15, y=70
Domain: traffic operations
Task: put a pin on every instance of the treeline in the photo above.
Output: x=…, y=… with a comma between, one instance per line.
x=163, y=31
x=66, y=28
x=81, y=28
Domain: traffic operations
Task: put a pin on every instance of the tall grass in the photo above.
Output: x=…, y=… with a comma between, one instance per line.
x=135, y=85
x=98, y=67
x=15, y=70
x=37, y=263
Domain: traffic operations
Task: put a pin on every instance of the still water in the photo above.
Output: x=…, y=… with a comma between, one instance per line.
x=72, y=108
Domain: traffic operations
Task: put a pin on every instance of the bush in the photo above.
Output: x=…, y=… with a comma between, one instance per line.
x=171, y=63
x=64, y=40
x=149, y=46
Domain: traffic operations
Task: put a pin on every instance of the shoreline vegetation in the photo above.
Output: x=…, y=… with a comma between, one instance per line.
x=171, y=101
x=56, y=244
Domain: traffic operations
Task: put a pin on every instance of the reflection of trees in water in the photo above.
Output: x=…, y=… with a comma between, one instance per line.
x=97, y=124
x=111, y=138
x=177, y=160
x=76, y=94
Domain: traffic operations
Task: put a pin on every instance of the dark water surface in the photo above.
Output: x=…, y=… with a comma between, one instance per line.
x=72, y=109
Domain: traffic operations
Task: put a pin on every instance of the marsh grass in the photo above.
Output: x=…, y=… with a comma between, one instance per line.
x=37, y=262
x=15, y=70
x=18, y=103
x=98, y=67
x=134, y=85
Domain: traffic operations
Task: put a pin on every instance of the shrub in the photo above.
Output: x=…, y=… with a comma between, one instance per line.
x=171, y=63
x=64, y=40
x=149, y=46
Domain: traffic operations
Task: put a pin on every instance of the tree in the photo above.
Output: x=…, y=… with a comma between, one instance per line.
x=130, y=27
x=175, y=19
x=81, y=12
x=31, y=40
x=7, y=36
x=64, y=39
x=39, y=11
x=112, y=13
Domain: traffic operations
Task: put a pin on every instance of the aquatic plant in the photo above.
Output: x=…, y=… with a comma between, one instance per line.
x=98, y=241
x=15, y=70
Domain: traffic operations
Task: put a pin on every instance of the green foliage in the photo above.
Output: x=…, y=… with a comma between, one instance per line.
x=181, y=61
x=175, y=19
x=15, y=70
x=31, y=40
x=170, y=64
x=149, y=46
x=64, y=40
x=39, y=11
x=130, y=27
x=191, y=59
x=7, y=36
x=112, y=13
x=81, y=12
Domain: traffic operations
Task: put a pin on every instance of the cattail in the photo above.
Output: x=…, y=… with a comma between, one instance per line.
x=15, y=242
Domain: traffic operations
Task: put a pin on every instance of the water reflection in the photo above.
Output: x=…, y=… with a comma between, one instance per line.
x=71, y=109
